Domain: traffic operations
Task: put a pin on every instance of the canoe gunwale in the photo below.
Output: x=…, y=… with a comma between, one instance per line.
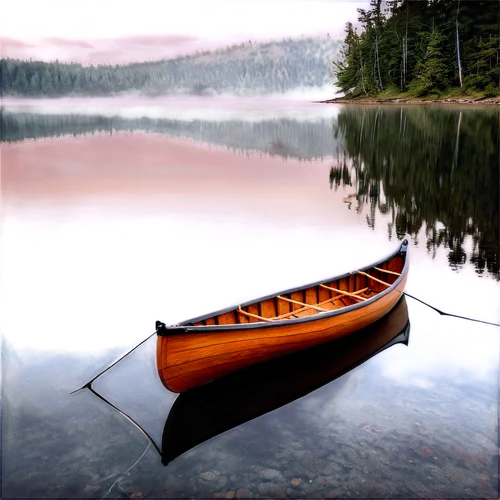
x=186, y=327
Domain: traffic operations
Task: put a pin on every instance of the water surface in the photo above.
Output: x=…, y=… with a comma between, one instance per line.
x=115, y=215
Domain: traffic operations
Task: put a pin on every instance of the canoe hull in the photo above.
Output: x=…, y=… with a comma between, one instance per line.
x=223, y=404
x=187, y=360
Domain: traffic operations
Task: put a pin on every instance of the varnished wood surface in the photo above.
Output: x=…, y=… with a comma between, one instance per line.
x=279, y=325
x=218, y=406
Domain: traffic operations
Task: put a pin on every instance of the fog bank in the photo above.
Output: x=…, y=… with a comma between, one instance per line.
x=183, y=104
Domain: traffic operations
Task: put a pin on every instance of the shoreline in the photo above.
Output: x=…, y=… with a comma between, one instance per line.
x=490, y=101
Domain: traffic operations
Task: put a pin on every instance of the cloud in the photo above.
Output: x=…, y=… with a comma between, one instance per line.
x=101, y=51
x=204, y=26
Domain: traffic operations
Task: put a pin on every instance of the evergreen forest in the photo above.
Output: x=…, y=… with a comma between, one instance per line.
x=421, y=48
x=271, y=67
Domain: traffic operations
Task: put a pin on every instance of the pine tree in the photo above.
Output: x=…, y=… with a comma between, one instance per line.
x=431, y=70
x=349, y=72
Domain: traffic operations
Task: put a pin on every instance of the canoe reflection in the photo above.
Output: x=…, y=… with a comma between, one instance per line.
x=211, y=409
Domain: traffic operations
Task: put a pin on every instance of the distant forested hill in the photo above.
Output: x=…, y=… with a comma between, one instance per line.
x=259, y=68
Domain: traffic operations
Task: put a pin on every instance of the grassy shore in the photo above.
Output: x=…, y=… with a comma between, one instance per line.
x=454, y=96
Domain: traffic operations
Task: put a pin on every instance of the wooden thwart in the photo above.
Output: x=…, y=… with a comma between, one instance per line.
x=374, y=279
x=331, y=299
x=302, y=304
x=354, y=294
x=316, y=307
x=256, y=316
x=387, y=271
x=343, y=292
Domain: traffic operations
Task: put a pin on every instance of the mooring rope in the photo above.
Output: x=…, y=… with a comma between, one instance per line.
x=443, y=313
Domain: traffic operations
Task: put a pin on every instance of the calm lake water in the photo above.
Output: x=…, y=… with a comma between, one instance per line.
x=116, y=213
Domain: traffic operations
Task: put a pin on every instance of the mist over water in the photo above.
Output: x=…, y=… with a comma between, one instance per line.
x=185, y=104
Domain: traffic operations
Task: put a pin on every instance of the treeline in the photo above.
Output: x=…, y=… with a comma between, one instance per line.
x=246, y=68
x=286, y=137
x=427, y=169
x=422, y=47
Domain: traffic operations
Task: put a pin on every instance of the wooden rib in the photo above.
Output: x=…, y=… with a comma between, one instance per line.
x=308, y=306
x=302, y=304
x=331, y=299
x=254, y=315
x=297, y=311
x=375, y=279
x=343, y=292
x=387, y=271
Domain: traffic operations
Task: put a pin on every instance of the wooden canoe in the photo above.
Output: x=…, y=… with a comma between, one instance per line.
x=209, y=410
x=205, y=348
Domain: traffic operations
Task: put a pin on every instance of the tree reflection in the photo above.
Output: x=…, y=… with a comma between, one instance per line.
x=284, y=137
x=429, y=168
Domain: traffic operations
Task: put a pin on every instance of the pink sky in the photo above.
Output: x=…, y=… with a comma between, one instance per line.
x=118, y=31
x=107, y=50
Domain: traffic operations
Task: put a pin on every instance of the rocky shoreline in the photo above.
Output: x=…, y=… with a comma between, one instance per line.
x=398, y=100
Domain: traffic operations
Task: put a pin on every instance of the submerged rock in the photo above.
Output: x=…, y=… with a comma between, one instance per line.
x=272, y=490
x=210, y=475
x=270, y=474
x=334, y=493
x=309, y=464
x=243, y=493
x=173, y=486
